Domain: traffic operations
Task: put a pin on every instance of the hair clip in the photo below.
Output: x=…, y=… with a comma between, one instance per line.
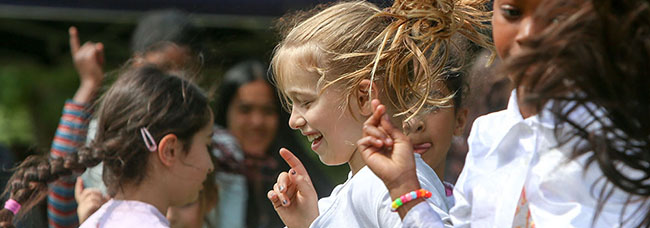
x=148, y=139
x=13, y=206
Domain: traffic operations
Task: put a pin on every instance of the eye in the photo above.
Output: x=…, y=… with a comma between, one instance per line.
x=510, y=12
x=306, y=103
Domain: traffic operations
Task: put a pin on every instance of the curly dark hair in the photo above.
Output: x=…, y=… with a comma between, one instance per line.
x=594, y=55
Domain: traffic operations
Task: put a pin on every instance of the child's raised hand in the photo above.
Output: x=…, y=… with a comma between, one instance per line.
x=293, y=196
x=88, y=200
x=88, y=61
x=388, y=152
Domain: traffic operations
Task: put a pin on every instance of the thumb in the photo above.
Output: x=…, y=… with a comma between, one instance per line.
x=78, y=187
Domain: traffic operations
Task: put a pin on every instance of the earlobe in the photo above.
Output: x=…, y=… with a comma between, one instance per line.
x=168, y=149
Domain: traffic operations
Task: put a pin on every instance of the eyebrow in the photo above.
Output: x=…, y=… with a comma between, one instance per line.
x=293, y=93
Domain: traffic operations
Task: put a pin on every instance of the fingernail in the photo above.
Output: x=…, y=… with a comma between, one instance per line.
x=281, y=187
x=389, y=141
x=293, y=172
x=284, y=202
x=379, y=141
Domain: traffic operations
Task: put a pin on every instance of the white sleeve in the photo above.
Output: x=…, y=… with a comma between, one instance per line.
x=461, y=213
x=424, y=216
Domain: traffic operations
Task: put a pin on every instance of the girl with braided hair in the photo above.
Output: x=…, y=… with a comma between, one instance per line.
x=153, y=135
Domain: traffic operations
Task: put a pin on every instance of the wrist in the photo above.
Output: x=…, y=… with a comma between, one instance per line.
x=403, y=185
x=90, y=84
x=86, y=92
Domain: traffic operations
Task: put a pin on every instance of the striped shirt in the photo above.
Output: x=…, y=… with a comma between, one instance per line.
x=70, y=135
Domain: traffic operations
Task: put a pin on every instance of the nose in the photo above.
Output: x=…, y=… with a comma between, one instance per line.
x=296, y=120
x=210, y=166
x=415, y=125
x=525, y=30
x=257, y=118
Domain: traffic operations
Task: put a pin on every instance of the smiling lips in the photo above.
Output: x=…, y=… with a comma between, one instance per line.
x=421, y=148
x=315, y=140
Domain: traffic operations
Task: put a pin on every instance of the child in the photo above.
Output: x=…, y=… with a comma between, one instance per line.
x=531, y=164
x=153, y=134
x=324, y=68
x=431, y=131
x=71, y=133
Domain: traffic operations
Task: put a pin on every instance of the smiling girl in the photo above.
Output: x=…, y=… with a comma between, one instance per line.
x=325, y=68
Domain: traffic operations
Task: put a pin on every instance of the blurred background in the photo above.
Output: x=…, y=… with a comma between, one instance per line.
x=37, y=73
x=36, y=70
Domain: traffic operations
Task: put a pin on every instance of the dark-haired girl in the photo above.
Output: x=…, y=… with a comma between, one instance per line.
x=153, y=133
x=571, y=149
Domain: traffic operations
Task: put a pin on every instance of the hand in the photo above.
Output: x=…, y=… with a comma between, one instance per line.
x=293, y=196
x=389, y=154
x=88, y=200
x=88, y=61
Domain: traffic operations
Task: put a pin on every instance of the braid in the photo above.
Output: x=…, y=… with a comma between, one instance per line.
x=29, y=183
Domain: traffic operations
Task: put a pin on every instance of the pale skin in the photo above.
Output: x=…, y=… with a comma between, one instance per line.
x=294, y=196
x=88, y=61
x=174, y=176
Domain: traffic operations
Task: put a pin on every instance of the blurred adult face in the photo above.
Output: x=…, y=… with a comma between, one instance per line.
x=252, y=117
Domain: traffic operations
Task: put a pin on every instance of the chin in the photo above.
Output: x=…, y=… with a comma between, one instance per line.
x=330, y=161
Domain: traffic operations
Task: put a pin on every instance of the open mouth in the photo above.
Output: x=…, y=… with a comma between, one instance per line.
x=421, y=148
x=315, y=140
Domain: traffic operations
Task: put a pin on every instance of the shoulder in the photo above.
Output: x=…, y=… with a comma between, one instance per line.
x=116, y=214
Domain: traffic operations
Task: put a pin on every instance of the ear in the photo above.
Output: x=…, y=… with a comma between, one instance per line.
x=169, y=149
x=461, y=120
x=364, y=96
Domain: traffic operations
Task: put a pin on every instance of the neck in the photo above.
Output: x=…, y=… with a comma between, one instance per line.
x=356, y=162
x=526, y=109
x=440, y=170
x=146, y=192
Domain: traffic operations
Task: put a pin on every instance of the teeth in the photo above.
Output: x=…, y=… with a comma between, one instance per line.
x=311, y=138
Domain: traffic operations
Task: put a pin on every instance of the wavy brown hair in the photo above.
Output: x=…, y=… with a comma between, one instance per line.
x=594, y=56
x=141, y=97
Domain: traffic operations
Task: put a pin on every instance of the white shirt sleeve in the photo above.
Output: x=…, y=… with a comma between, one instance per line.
x=423, y=216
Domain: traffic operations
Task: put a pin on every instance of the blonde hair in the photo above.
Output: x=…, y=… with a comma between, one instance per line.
x=403, y=48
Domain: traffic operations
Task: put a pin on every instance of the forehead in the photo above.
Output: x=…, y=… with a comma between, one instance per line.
x=258, y=91
x=530, y=3
x=299, y=69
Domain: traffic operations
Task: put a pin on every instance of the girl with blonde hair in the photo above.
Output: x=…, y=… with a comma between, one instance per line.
x=329, y=67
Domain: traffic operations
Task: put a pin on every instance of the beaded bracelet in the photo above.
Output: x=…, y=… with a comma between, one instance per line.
x=408, y=197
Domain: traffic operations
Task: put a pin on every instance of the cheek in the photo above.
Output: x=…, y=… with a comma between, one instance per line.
x=503, y=33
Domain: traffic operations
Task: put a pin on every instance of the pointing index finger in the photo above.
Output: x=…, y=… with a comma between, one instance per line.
x=293, y=161
x=74, y=40
x=378, y=111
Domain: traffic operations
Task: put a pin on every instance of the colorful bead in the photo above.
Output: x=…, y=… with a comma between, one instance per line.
x=408, y=197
